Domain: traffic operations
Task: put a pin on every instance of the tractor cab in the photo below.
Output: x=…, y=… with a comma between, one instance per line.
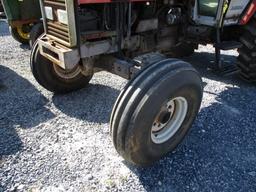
x=219, y=14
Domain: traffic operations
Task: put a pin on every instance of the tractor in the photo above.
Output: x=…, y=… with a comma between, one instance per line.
x=141, y=41
x=24, y=19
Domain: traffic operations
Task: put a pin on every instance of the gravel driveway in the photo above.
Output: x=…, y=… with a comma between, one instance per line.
x=61, y=143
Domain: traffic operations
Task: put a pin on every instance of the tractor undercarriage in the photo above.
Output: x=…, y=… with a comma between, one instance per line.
x=157, y=107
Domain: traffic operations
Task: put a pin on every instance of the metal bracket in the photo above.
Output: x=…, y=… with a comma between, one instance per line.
x=127, y=68
x=65, y=57
x=124, y=69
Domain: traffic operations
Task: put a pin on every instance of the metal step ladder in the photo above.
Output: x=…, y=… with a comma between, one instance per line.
x=220, y=66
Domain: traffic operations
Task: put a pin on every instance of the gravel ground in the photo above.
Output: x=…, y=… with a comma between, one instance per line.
x=61, y=143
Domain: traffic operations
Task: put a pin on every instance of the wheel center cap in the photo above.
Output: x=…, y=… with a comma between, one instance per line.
x=161, y=121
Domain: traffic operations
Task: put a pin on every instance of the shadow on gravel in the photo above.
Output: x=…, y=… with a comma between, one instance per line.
x=21, y=106
x=24, y=47
x=93, y=104
x=219, y=154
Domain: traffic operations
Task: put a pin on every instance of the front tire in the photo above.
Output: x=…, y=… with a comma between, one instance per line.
x=54, y=78
x=143, y=104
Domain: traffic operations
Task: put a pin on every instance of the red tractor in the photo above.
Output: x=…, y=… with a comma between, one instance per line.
x=157, y=107
x=24, y=19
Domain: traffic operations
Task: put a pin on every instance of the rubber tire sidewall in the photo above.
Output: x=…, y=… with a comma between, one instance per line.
x=246, y=58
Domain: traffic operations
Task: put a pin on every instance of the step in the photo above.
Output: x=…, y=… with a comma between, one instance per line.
x=228, y=45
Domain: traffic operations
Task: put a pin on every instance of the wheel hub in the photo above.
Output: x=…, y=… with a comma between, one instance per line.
x=164, y=116
x=169, y=119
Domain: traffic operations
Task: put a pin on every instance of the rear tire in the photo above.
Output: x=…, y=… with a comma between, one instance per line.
x=19, y=35
x=139, y=105
x=46, y=74
x=246, y=60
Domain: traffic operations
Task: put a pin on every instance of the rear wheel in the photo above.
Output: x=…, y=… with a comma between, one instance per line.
x=247, y=54
x=155, y=111
x=21, y=33
x=54, y=78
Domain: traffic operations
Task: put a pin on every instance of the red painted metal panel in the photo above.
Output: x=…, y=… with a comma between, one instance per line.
x=249, y=13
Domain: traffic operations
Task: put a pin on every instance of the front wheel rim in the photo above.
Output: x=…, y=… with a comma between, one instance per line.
x=169, y=120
